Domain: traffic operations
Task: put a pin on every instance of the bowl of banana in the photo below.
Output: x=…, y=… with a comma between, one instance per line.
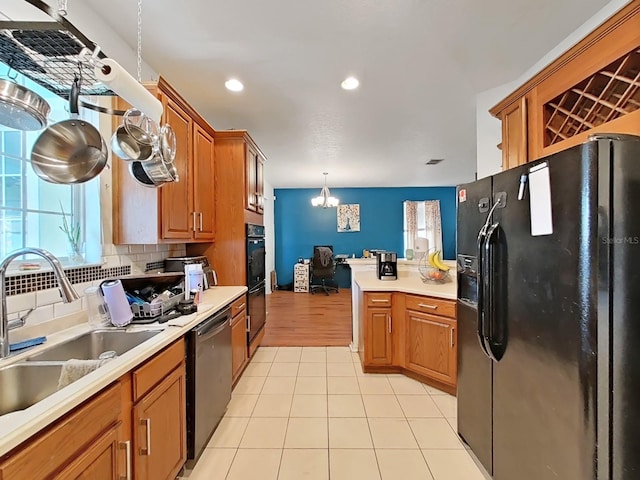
x=433, y=270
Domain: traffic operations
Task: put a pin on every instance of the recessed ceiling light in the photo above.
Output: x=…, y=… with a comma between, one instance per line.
x=350, y=83
x=234, y=85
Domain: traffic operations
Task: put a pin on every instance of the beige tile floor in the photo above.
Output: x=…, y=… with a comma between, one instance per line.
x=310, y=413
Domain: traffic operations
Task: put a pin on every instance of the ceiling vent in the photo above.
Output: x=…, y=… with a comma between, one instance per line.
x=434, y=161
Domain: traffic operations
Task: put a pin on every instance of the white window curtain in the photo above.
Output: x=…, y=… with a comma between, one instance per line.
x=422, y=226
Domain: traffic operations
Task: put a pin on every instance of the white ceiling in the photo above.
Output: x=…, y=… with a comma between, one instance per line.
x=420, y=64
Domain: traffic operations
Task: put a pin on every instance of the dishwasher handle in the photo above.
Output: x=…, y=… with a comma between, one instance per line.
x=213, y=325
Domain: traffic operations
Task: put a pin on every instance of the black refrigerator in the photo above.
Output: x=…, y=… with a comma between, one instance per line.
x=548, y=272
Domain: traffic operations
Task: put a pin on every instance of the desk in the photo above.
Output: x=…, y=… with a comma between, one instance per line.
x=301, y=277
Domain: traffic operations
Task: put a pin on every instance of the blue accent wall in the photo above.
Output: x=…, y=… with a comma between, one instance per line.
x=299, y=226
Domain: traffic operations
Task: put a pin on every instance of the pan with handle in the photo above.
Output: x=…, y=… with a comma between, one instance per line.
x=71, y=151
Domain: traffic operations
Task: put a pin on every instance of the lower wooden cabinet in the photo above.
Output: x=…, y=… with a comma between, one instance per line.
x=378, y=342
x=159, y=422
x=238, y=345
x=98, y=462
x=409, y=333
x=86, y=437
x=133, y=429
x=431, y=346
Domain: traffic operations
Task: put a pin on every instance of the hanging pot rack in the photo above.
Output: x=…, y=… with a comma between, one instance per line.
x=53, y=54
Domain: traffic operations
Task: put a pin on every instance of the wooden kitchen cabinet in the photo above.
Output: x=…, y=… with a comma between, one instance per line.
x=514, y=135
x=431, y=346
x=239, y=199
x=238, y=337
x=411, y=334
x=98, y=462
x=591, y=88
x=431, y=338
x=203, y=175
x=159, y=420
x=133, y=429
x=254, y=185
x=87, y=437
x=159, y=415
x=177, y=212
x=378, y=329
x=176, y=199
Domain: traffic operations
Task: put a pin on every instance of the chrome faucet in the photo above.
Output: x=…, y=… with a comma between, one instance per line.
x=67, y=291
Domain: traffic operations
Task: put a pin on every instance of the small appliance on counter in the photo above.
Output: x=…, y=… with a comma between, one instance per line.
x=387, y=266
x=177, y=264
x=116, y=300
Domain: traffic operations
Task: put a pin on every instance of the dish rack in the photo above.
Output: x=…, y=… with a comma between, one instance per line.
x=151, y=310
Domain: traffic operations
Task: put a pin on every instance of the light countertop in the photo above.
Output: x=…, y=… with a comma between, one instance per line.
x=408, y=281
x=17, y=427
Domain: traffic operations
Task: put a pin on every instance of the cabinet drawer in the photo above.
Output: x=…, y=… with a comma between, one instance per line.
x=434, y=306
x=238, y=305
x=156, y=369
x=378, y=299
x=52, y=450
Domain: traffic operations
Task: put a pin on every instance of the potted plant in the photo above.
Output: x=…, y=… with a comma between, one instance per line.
x=72, y=231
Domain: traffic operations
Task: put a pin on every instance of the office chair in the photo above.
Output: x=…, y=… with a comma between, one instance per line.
x=323, y=268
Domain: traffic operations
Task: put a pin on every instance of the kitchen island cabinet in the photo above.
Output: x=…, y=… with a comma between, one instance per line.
x=431, y=338
x=378, y=329
x=407, y=327
x=177, y=212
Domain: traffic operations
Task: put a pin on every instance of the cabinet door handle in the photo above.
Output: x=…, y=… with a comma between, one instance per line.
x=193, y=217
x=389, y=322
x=200, y=214
x=147, y=423
x=127, y=447
x=241, y=306
x=375, y=300
x=452, y=340
x=426, y=305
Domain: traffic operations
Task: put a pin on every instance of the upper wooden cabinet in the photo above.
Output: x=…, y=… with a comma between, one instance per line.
x=594, y=87
x=514, y=134
x=239, y=200
x=181, y=211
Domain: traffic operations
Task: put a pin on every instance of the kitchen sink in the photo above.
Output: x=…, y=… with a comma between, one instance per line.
x=92, y=344
x=23, y=384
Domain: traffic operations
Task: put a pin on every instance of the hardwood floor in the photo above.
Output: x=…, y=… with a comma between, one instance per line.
x=306, y=320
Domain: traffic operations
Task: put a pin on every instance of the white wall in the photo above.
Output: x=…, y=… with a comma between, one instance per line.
x=270, y=231
x=488, y=128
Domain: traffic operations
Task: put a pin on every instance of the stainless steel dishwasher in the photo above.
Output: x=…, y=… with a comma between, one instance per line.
x=208, y=379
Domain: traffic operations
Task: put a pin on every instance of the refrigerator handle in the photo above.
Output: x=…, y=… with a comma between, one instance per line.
x=489, y=301
x=480, y=310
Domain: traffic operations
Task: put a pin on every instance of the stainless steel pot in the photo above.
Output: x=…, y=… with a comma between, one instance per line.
x=133, y=142
x=157, y=170
x=153, y=173
x=21, y=108
x=71, y=151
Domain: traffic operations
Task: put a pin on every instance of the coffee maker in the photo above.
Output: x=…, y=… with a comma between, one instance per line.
x=387, y=265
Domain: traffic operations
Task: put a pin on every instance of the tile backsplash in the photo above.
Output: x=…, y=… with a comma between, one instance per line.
x=39, y=290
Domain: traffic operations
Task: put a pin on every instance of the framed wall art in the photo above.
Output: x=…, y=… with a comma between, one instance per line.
x=349, y=217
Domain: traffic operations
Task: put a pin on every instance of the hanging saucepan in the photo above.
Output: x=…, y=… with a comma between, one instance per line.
x=153, y=173
x=137, y=138
x=71, y=151
x=21, y=108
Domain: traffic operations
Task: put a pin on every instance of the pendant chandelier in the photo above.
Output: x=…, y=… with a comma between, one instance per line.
x=325, y=200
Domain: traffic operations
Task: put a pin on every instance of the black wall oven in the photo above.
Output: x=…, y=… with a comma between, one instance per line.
x=256, y=300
